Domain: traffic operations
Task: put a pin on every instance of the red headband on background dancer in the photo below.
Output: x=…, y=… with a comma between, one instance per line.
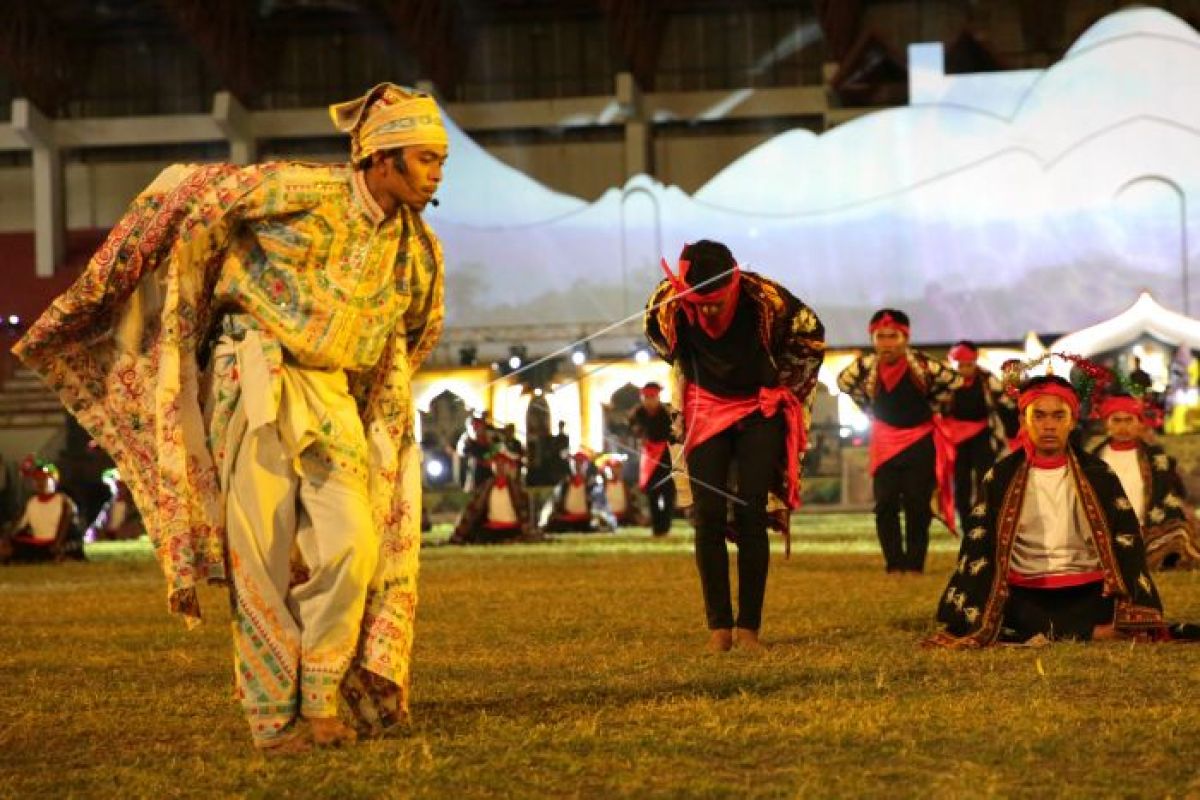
x=718, y=291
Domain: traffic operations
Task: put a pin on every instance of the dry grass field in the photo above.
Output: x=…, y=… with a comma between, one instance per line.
x=576, y=669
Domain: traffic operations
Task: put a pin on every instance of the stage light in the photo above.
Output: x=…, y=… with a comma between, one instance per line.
x=578, y=358
x=516, y=356
x=538, y=392
x=435, y=469
x=641, y=355
x=14, y=320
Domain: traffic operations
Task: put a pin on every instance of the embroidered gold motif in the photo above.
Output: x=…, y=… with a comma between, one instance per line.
x=962, y=565
x=1157, y=515
x=1173, y=501
x=978, y=565
x=971, y=613
x=1125, y=540
x=975, y=534
x=978, y=510
x=1144, y=582
x=1162, y=462
x=1123, y=504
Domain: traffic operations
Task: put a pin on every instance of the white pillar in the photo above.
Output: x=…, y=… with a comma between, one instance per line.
x=234, y=121
x=638, y=139
x=49, y=216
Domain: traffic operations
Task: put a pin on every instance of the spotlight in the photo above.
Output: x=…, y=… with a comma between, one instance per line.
x=516, y=356
x=538, y=392
x=14, y=320
x=581, y=353
x=641, y=355
x=434, y=469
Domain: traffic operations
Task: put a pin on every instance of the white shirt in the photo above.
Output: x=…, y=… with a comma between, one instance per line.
x=1128, y=467
x=500, y=506
x=43, y=517
x=1053, y=536
x=575, y=501
x=614, y=491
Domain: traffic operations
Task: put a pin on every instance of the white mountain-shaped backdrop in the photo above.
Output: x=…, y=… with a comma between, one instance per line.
x=993, y=205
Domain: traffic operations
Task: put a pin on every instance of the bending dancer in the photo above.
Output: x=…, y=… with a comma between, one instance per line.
x=745, y=355
x=902, y=389
x=1053, y=549
x=242, y=345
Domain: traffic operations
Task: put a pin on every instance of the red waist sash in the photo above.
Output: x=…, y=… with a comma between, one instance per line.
x=1064, y=581
x=652, y=453
x=707, y=414
x=960, y=430
x=888, y=441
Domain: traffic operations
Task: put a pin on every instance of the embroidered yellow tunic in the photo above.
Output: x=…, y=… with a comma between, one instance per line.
x=296, y=252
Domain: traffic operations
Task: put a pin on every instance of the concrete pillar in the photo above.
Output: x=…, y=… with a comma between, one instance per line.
x=234, y=121
x=639, y=133
x=49, y=215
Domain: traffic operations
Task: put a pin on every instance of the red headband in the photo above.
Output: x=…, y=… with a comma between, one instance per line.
x=887, y=321
x=1121, y=404
x=962, y=352
x=1064, y=393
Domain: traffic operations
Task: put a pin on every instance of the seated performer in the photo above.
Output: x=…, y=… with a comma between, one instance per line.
x=1053, y=547
x=498, y=510
x=48, y=529
x=981, y=417
x=1146, y=475
x=569, y=507
x=473, y=448
x=902, y=389
x=118, y=518
x=615, y=497
x=651, y=422
x=745, y=354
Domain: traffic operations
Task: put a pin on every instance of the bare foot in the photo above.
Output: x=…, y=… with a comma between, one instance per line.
x=331, y=732
x=720, y=641
x=288, y=744
x=747, y=639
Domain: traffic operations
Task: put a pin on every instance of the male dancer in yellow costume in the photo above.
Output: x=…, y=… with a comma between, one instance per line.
x=242, y=345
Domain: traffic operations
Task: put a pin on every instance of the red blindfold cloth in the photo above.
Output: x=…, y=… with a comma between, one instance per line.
x=726, y=296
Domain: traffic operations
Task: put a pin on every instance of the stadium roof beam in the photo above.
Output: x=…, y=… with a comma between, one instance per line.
x=34, y=51
x=637, y=29
x=223, y=32
x=841, y=23
x=436, y=32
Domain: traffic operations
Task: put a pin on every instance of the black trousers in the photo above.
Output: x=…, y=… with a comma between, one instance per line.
x=974, y=458
x=905, y=483
x=1070, y=613
x=660, y=493
x=754, y=447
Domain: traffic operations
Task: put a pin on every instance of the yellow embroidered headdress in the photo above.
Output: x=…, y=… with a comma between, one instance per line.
x=387, y=117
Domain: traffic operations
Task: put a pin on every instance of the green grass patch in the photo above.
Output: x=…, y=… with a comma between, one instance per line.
x=576, y=668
